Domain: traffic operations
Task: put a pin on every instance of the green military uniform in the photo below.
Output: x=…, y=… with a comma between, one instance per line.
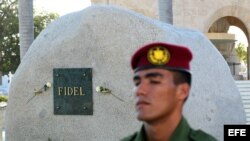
x=182, y=133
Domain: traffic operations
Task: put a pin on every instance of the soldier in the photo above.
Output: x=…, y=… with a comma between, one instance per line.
x=162, y=82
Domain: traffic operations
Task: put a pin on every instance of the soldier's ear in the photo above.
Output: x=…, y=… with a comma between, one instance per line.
x=183, y=91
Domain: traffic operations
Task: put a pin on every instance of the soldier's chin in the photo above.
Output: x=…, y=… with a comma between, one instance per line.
x=141, y=118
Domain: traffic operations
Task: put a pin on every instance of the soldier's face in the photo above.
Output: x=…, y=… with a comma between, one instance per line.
x=156, y=94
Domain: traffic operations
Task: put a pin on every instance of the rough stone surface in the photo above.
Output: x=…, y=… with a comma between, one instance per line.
x=104, y=38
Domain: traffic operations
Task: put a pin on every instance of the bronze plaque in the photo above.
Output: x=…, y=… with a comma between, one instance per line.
x=73, y=91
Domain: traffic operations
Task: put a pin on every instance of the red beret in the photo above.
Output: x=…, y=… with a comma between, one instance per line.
x=162, y=55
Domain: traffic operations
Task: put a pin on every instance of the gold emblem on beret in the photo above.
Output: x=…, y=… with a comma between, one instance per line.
x=158, y=55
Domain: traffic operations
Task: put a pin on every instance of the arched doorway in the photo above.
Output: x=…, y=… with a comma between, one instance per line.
x=225, y=42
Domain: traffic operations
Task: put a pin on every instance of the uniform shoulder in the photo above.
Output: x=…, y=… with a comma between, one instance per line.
x=199, y=135
x=130, y=138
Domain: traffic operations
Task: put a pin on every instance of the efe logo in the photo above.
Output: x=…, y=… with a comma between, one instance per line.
x=236, y=132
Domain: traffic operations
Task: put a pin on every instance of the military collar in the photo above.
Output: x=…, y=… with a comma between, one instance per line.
x=141, y=136
x=182, y=131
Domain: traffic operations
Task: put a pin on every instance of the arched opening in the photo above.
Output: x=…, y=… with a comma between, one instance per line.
x=229, y=35
x=241, y=45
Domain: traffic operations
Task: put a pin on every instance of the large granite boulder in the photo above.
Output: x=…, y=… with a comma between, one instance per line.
x=103, y=38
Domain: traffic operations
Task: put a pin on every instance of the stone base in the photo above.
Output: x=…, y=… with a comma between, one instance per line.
x=238, y=77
